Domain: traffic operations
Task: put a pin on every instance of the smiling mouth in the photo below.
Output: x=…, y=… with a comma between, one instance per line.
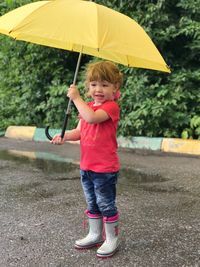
x=99, y=96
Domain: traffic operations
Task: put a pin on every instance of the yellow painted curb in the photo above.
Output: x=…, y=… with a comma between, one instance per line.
x=181, y=146
x=20, y=132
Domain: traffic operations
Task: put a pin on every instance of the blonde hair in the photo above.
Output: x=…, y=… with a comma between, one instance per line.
x=103, y=71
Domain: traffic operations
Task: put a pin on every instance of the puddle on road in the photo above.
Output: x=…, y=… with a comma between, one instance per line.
x=43, y=170
x=50, y=164
x=149, y=182
x=47, y=162
x=135, y=176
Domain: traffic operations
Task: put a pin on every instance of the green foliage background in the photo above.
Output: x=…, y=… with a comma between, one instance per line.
x=34, y=79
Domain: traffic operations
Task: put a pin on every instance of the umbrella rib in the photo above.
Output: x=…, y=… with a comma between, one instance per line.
x=17, y=28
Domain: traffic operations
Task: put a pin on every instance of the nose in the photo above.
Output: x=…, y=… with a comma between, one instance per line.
x=98, y=88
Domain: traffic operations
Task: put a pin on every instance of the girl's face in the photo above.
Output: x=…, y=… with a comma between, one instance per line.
x=102, y=91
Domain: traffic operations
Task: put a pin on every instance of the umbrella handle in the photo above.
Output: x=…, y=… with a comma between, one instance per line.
x=68, y=111
x=47, y=133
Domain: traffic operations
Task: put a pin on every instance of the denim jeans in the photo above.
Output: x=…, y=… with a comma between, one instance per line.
x=100, y=192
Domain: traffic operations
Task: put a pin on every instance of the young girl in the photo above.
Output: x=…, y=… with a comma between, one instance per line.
x=99, y=164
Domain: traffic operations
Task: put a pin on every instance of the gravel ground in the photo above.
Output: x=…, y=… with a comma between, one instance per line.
x=41, y=208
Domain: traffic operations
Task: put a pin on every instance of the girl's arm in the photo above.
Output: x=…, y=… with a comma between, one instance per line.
x=72, y=135
x=85, y=111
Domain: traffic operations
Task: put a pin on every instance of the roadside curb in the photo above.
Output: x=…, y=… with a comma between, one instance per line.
x=175, y=145
x=20, y=132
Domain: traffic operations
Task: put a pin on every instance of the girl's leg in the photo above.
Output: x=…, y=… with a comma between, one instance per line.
x=105, y=191
x=89, y=192
x=95, y=219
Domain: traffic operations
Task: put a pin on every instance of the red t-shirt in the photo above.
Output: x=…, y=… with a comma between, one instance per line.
x=98, y=141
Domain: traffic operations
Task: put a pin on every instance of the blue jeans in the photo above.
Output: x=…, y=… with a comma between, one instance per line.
x=100, y=192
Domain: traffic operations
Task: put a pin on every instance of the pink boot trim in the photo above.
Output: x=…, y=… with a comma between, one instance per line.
x=111, y=219
x=92, y=216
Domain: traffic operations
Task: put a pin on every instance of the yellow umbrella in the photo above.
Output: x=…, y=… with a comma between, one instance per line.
x=85, y=27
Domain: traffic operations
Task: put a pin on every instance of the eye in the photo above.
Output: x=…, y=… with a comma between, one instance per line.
x=93, y=84
x=105, y=85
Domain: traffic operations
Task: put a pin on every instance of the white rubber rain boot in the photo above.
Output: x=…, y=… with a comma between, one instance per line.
x=110, y=245
x=94, y=237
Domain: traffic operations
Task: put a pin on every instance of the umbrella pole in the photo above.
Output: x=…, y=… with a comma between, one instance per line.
x=68, y=111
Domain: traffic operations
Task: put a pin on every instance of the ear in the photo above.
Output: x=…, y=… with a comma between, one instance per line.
x=117, y=87
x=116, y=95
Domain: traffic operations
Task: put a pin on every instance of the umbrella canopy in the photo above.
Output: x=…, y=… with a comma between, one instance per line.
x=85, y=27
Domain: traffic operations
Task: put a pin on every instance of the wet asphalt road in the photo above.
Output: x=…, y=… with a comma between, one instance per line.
x=41, y=208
